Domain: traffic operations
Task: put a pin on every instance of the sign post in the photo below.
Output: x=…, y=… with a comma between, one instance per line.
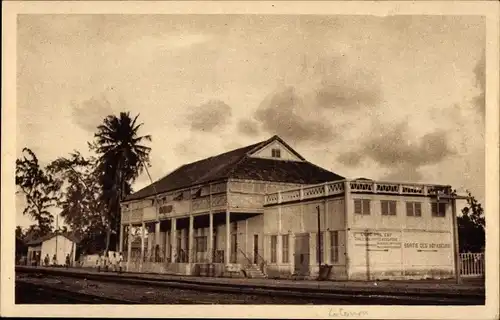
x=456, y=252
x=319, y=239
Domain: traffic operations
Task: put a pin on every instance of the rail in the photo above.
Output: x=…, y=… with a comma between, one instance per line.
x=472, y=265
x=261, y=262
x=376, y=295
x=248, y=261
x=355, y=186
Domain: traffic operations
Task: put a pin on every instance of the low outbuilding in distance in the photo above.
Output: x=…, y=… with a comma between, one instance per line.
x=56, y=244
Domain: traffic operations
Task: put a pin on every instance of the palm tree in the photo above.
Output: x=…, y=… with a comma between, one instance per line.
x=122, y=158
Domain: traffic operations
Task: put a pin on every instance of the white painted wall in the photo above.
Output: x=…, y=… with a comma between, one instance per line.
x=64, y=247
x=400, y=245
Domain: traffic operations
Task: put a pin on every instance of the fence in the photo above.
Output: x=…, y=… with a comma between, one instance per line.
x=472, y=264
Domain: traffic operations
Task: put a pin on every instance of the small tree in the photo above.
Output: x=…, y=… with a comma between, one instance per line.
x=471, y=224
x=40, y=189
x=80, y=199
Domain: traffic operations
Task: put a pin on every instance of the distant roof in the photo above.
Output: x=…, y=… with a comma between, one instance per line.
x=49, y=236
x=238, y=164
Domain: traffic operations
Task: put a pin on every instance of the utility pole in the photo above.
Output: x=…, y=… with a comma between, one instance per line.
x=57, y=232
x=319, y=237
x=456, y=250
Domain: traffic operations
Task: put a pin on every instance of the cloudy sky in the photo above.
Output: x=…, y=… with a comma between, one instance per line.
x=392, y=98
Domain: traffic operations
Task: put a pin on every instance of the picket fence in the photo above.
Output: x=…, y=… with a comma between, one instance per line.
x=472, y=264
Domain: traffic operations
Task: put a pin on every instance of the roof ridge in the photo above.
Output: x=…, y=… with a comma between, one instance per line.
x=245, y=156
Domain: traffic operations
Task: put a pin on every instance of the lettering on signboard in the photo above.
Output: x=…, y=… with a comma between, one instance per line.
x=166, y=209
x=377, y=241
x=426, y=246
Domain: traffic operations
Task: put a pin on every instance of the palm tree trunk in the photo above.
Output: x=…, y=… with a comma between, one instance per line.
x=108, y=237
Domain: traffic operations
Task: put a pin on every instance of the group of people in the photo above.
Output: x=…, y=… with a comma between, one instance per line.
x=46, y=260
x=110, y=263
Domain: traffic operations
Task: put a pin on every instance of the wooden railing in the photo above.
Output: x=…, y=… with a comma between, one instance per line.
x=261, y=262
x=472, y=264
x=247, y=261
x=355, y=186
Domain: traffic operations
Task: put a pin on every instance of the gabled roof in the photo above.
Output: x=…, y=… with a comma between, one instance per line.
x=49, y=236
x=238, y=164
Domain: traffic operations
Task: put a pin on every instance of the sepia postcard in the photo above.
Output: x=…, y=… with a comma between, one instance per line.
x=244, y=159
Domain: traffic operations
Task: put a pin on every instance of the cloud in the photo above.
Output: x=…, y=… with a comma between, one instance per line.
x=284, y=113
x=91, y=113
x=318, y=97
x=248, y=127
x=210, y=116
x=394, y=149
x=480, y=73
x=350, y=158
x=403, y=173
x=344, y=85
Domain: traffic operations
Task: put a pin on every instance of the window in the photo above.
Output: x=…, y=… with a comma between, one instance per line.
x=438, y=209
x=320, y=248
x=334, y=246
x=284, y=245
x=201, y=244
x=362, y=206
x=388, y=207
x=413, y=209
x=276, y=153
x=274, y=242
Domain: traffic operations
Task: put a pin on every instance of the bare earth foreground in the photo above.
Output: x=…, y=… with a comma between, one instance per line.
x=39, y=286
x=34, y=290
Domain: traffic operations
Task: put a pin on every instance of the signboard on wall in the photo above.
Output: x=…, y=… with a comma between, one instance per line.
x=427, y=246
x=377, y=241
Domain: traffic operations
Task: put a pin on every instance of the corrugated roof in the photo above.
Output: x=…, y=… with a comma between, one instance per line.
x=237, y=164
x=283, y=171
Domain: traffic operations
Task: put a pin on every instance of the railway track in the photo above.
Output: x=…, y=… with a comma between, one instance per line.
x=319, y=296
x=38, y=293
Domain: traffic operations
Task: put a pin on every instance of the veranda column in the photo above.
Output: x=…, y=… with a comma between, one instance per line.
x=157, y=241
x=129, y=246
x=347, y=217
x=120, y=245
x=143, y=234
x=210, y=237
x=173, y=242
x=291, y=252
x=191, y=239
x=228, y=237
x=167, y=248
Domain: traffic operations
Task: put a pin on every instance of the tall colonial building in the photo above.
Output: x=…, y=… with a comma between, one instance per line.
x=257, y=211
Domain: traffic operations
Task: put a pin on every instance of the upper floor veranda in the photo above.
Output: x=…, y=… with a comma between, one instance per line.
x=249, y=196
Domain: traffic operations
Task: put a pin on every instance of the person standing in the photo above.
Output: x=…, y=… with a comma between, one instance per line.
x=54, y=260
x=112, y=262
x=120, y=262
x=105, y=261
x=99, y=263
x=46, y=260
x=67, y=261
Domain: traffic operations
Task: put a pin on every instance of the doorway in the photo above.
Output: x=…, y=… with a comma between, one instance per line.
x=301, y=254
x=255, y=248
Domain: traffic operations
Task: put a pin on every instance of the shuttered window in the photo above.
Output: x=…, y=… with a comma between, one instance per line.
x=388, y=207
x=274, y=242
x=413, y=209
x=438, y=210
x=362, y=206
x=284, y=243
x=334, y=246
